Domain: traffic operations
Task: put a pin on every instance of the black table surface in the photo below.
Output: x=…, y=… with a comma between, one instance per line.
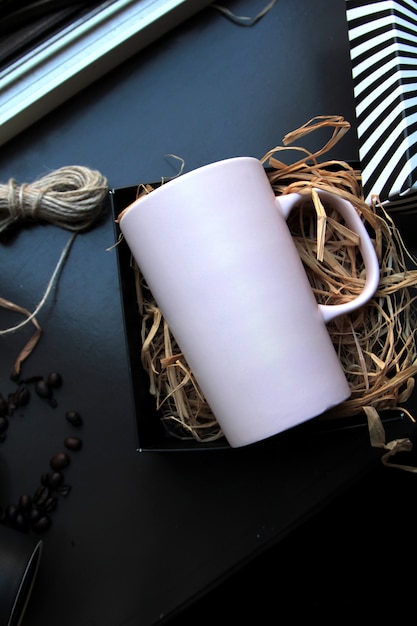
x=143, y=533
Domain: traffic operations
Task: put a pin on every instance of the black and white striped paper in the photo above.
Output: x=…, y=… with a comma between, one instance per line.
x=383, y=50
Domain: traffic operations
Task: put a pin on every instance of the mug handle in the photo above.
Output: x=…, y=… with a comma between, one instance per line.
x=287, y=202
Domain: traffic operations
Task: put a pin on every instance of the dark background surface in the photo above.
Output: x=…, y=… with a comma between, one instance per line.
x=142, y=534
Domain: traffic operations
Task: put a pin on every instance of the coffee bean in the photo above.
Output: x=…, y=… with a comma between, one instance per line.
x=32, y=379
x=25, y=503
x=54, y=479
x=34, y=515
x=74, y=418
x=22, y=395
x=41, y=495
x=73, y=443
x=59, y=461
x=11, y=512
x=45, y=480
x=11, y=403
x=43, y=389
x=54, y=380
x=64, y=490
x=50, y=504
x=19, y=397
x=20, y=522
x=42, y=524
x=34, y=512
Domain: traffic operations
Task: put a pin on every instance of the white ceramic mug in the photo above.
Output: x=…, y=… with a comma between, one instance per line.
x=216, y=252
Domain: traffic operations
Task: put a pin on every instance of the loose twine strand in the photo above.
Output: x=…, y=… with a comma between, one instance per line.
x=70, y=197
x=376, y=344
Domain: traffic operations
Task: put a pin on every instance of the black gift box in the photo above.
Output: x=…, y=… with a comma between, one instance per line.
x=152, y=433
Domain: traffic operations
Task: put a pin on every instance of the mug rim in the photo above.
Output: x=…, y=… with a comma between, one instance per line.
x=187, y=175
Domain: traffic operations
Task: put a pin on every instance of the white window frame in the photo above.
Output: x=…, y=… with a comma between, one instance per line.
x=70, y=60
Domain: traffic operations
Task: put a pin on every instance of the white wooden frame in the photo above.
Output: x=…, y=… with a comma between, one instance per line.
x=74, y=58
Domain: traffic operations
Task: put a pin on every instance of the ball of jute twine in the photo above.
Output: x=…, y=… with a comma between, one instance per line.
x=70, y=197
